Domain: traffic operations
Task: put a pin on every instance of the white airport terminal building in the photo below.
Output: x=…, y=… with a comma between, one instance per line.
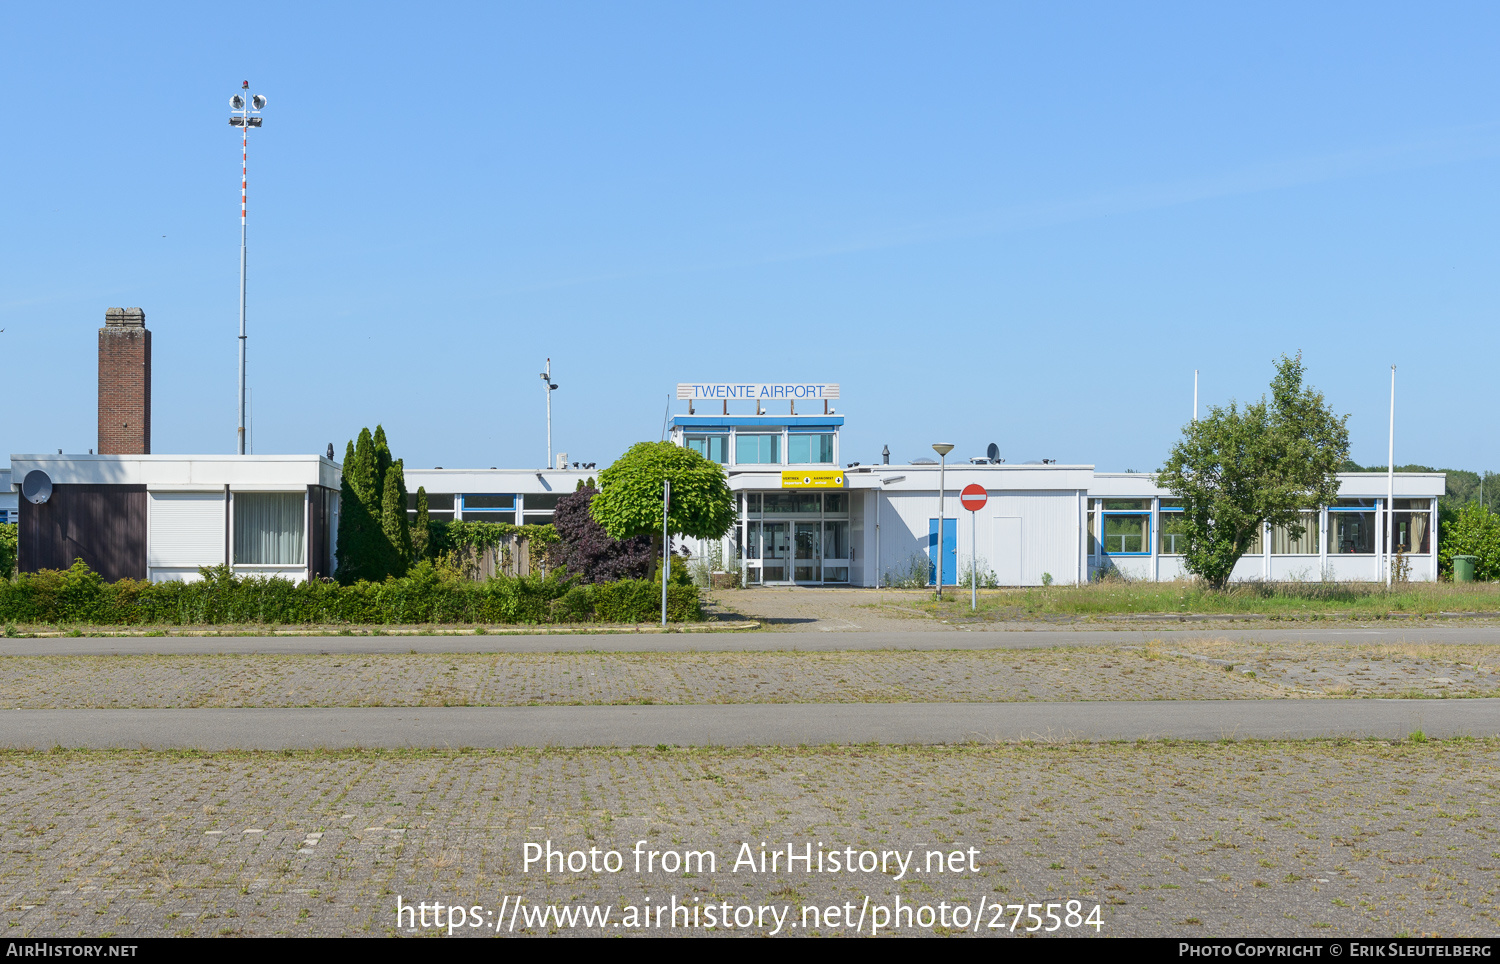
x=805, y=516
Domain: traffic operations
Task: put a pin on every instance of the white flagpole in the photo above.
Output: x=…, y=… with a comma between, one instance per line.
x=1390, y=484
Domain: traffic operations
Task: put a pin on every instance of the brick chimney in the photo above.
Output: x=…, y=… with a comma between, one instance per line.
x=124, y=383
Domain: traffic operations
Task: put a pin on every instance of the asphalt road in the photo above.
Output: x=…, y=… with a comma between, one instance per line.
x=819, y=641
x=777, y=724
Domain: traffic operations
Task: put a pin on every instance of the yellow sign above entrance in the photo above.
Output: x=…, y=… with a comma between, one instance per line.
x=812, y=480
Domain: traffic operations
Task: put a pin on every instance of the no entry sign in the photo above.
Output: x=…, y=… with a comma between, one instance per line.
x=974, y=497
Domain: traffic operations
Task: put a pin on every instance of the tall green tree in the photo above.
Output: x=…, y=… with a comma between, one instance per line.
x=374, y=539
x=393, y=519
x=630, y=493
x=421, y=530
x=1240, y=468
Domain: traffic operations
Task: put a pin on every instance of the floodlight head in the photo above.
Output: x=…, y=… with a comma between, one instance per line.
x=237, y=102
x=942, y=448
x=258, y=102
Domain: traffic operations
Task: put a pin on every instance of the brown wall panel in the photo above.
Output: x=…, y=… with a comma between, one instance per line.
x=104, y=525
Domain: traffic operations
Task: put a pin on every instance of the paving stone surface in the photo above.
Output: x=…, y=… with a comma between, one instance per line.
x=1205, y=669
x=1228, y=839
x=1139, y=673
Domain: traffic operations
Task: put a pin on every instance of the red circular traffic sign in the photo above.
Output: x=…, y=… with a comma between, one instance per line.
x=974, y=497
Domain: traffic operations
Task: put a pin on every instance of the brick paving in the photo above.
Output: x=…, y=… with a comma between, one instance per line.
x=1181, y=840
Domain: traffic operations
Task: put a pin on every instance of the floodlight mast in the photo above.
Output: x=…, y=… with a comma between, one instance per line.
x=246, y=114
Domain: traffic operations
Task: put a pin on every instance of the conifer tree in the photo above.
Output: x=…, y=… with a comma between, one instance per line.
x=421, y=531
x=359, y=529
x=393, y=521
x=374, y=537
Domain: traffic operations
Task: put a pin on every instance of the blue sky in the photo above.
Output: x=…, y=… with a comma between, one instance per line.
x=1024, y=224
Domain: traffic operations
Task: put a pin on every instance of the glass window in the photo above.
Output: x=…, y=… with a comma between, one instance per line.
x=489, y=502
x=436, y=502
x=1093, y=534
x=836, y=503
x=540, y=501
x=509, y=518
x=1172, y=539
x=836, y=540
x=1351, y=533
x=1353, y=504
x=804, y=449
x=268, y=528
x=1128, y=504
x=1282, y=544
x=1127, y=533
x=779, y=503
x=752, y=504
x=757, y=449
x=1410, y=531
x=1170, y=504
x=715, y=448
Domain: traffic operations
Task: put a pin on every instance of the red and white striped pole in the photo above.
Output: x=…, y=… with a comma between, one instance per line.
x=246, y=115
x=244, y=184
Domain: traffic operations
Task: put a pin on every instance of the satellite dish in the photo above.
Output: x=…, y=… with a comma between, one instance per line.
x=36, y=487
x=237, y=102
x=993, y=452
x=258, y=101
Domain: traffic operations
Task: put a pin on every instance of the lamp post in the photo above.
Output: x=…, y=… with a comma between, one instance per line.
x=247, y=108
x=942, y=449
x=551, y=387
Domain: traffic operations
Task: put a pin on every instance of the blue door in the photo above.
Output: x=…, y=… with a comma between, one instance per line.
x=950, y=552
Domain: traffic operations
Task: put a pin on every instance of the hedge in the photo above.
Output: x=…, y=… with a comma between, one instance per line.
x=80, y=595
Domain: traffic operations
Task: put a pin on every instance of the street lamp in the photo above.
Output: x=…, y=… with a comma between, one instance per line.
x=942, y=449
x=247, y=108
x=551, y=387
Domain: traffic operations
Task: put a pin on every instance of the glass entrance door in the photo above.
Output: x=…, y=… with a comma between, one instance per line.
x=776, y=551
x=809, y=561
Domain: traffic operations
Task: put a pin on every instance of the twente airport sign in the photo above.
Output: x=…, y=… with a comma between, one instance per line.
x=778, y=392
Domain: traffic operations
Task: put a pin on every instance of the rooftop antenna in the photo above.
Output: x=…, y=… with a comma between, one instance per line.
x=246, y=108
x=667, y=414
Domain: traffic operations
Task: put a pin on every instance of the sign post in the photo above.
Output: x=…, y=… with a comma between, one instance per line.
x=973, y=498
x=666, y=548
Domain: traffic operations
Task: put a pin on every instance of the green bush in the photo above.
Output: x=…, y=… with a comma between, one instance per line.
x=639, y=601
x=79, y=595
x=7, y=549
x=1472, y=530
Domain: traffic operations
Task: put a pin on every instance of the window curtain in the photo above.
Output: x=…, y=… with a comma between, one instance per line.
x=268, y=528
x=1418, y=532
